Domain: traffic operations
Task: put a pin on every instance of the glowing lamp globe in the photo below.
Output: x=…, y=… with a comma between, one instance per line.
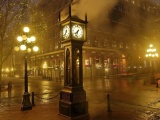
x=19, y=38
x=35, y=48
x=23, y=47
x=26, y=29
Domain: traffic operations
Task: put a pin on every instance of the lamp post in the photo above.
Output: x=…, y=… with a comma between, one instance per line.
x=26, y=44
x=152, y=54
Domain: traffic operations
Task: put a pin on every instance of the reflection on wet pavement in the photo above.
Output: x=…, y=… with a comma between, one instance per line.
x=126, y=94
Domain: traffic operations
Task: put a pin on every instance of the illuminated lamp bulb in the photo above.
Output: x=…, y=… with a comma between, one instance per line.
x=33, y=38
x=35, y=48
x=23, y=47
x=26, y=29
x=19, y=38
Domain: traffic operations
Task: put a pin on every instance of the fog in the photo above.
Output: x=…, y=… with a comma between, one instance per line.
x=136, y=24
x=93, y=8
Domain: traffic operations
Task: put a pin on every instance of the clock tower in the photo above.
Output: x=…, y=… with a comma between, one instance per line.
x=73, y=102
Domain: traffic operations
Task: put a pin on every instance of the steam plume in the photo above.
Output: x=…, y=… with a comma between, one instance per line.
x=93, y=8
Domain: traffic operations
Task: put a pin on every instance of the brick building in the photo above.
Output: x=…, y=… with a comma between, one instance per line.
x=118, y=35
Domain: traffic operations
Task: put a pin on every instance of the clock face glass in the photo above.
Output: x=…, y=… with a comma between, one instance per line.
x=66, y=32
x=77, y=31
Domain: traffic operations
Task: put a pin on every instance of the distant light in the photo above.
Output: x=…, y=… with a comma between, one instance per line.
x=156, y=54
x=150, y=45
x=45, y=65
x=147, y=55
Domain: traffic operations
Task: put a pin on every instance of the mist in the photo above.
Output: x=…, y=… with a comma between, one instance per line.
x=100, y=12
x=92, y=8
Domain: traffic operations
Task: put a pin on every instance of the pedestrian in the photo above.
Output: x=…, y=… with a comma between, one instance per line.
x=9, y=85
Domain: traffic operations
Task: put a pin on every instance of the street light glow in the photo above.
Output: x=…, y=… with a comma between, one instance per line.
x=151, y=51
x=35, y=48
x=23, y=47
x=26, y=44
x=150, y=45
x=156, y=54
x=26, y=29
x=33, y=38
x=19, y=38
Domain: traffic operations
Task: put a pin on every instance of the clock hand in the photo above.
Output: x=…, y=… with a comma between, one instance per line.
x=77, y=32
x=65, y=32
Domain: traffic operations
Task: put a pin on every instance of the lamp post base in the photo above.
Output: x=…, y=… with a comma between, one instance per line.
x=26, y=104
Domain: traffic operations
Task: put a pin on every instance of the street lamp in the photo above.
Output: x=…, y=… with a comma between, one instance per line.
x=152, y=54
x=26, y=44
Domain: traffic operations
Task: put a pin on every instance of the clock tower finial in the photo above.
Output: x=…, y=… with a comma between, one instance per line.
x=70, y=14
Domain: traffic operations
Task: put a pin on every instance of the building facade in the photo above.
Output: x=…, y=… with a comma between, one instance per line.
x=117, y=38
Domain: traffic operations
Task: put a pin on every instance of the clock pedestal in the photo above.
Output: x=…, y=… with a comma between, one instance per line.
x=73, y=102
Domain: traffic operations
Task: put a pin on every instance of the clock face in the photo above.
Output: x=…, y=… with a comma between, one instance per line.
x=77, y=31
x=66, y=32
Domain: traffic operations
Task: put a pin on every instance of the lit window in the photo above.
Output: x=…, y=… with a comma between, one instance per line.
x=121, y=45
x=56, y=45
x=114, y=45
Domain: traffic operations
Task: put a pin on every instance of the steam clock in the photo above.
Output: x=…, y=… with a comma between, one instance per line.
x=73, y=102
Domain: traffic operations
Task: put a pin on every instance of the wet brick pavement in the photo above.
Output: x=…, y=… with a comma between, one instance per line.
x=10, y=109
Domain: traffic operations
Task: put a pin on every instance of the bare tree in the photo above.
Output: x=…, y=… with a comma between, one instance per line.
x=13, y=15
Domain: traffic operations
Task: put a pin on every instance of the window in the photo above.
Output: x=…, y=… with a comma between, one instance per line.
x=97, y=41
x=119, y=7
x=88, y=42
x=104, y=44
x=144, y=7
x=51, y=48
x=62, y=46
x=114, y=45
x=134, y=46
x=121, y=45
x=56, y=45
x=138, y=4
x=127, y=46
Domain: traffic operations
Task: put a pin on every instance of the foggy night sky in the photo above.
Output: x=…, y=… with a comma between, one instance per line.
x=97, y=11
